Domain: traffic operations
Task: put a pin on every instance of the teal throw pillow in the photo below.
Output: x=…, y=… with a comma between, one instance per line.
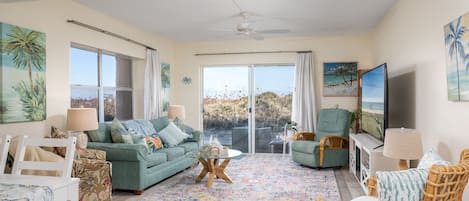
x=119, y=133
x=102, y=134
x=140, y=139
x=183, y=127
x=401, y=185
x=431, y=158
x=172, y=135
x=159, y=123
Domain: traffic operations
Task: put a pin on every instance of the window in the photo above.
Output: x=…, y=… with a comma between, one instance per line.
x=101, y=80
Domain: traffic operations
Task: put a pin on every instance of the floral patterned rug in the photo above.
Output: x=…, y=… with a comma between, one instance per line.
x=255, y=177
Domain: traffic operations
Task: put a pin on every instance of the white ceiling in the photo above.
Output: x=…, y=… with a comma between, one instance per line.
x=196, y=20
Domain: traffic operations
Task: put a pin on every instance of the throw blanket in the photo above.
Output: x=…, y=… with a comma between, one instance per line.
x=34, y=153
x=407, y=185
x=18, y=192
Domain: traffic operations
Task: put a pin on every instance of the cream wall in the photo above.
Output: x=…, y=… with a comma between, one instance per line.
x=49, y=16
x=325, y=49
x=411, y=38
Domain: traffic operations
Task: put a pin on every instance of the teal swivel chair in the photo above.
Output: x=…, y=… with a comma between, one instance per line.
x=328, y=147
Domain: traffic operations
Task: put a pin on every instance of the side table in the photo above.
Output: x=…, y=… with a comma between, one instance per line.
x=277, y=143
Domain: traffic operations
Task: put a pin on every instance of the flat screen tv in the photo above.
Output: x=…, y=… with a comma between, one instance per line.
x=374, y=101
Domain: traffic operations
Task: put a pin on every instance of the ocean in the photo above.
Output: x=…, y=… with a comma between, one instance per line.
x=333, y=79
x=374, y=106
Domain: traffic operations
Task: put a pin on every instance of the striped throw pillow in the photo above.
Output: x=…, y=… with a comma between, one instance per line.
x=407, y=185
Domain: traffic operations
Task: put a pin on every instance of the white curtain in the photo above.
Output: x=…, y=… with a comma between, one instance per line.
x=152, y=104
x=304, y=105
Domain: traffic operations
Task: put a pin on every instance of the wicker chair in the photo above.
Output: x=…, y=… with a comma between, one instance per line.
x=443, y=183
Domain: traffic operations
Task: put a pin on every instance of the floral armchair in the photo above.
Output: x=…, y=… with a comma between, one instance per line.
x=90, y=166
x=95, y=175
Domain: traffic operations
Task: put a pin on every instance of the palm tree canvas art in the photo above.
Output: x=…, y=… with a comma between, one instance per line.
x=22, y=74
x=340, y=79
x=457, y=58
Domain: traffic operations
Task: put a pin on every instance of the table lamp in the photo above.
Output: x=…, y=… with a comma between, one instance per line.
x=403, y=144
x=82, y=119
x=176, y=111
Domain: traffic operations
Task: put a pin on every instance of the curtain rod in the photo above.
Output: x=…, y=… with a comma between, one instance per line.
x=108, y=33
x=262, y=52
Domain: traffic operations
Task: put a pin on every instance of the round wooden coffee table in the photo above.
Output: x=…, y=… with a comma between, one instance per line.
x=214, y=168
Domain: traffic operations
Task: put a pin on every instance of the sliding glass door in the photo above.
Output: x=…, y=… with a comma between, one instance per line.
x=273, y=92
x=245, y=107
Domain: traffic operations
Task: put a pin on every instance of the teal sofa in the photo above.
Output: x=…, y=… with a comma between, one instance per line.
x=328, y=146
x=134, y=167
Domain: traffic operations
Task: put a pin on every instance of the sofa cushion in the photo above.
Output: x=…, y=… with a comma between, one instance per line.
x=190, y=147
x=120, y=151
x=156, y=159
x=102, y=134
x=159, y=123
x=139, y=127
x=119, y=134
x=307, y=147
x=172, y=135
x=172, y=152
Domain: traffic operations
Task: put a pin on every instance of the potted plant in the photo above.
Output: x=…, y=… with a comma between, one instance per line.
x=355, y=117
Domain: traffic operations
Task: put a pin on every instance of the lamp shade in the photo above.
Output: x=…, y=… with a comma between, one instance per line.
x=82, y=119
x=176, y=111
x=402, y=143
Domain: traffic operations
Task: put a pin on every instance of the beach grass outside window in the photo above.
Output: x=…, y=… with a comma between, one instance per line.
x=101, y=80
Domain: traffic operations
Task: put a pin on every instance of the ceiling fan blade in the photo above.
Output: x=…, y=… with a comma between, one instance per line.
x=273, y=31
x=223, y=29
x=257, y=37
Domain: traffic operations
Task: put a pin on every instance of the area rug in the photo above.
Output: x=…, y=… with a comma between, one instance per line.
x=255, y=177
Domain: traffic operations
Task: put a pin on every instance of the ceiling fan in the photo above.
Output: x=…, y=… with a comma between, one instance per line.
x=245, y=28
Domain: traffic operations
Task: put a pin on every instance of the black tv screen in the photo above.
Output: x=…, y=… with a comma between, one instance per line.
x=374, y=101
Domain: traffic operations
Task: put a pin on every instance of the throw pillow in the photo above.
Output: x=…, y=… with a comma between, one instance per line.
x=140, y=139
x=57, y=133
x=154, y=143
x=139, y=127
x=101, y=134
x=183, y=127
x=172, y=135
x=146, y=126
x=401, y=185
x=431, y=158
x=119, y=134
x=159, y=123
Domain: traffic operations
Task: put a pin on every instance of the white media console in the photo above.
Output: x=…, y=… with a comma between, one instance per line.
x=365, y=160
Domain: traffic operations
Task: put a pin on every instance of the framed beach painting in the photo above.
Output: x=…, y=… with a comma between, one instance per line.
x=457, y=58
x=340, y=79
x=22, y=74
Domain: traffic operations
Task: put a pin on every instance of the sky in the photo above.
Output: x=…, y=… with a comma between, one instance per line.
x=278, y=79
x=84, y=68
x=84, y=71
x=373, y=85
